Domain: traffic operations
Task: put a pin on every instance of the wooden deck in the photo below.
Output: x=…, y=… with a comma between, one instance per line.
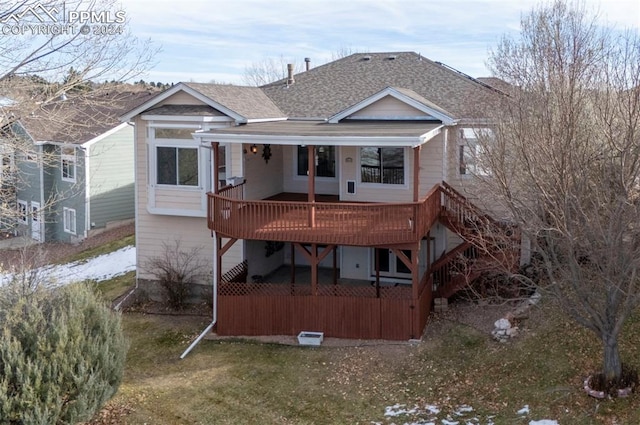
x=339, y=223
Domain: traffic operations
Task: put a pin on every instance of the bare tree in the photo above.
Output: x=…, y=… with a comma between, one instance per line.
x=268, y=71
x=565, y=162
x=271, y=70
x=51, y=50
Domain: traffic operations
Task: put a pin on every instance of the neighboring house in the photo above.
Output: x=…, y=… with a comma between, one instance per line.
x=367, y=235
x=76, y=168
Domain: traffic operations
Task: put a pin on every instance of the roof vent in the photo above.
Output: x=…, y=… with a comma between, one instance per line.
x=366, y=58
x=391, y=57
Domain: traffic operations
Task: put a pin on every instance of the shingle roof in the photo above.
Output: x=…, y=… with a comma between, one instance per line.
x=250, y=102
x=81, y=119
x=325, y=90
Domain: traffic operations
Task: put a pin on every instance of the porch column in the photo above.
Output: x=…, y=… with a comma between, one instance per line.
x=311, y=187
x=216, y=166
x=416, y=173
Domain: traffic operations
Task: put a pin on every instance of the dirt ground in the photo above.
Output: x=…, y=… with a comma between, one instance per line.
x=51, y=252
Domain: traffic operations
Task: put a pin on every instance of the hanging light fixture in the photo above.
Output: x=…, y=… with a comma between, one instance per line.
x=254, y=149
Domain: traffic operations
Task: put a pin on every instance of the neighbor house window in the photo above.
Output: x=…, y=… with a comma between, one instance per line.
x=325, y=161
x=23, y=212
x=69, y=220
x=68, y=166
x=471, y=151
x=177, y=166
x=382, y=165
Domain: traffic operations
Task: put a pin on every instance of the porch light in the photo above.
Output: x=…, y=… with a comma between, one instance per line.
x=254, y=149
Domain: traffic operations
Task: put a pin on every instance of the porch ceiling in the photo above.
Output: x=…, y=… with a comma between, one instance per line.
x=370, y=133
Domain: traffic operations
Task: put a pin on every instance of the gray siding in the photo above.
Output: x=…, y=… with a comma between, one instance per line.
x=111, y=178
x=60, y=194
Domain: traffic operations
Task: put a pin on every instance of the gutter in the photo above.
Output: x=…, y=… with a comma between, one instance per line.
x=214, y=319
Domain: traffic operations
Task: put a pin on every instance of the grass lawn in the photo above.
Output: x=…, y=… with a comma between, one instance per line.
x=457, y=370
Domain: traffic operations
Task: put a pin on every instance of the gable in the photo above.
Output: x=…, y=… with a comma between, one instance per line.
x=180, y=98
x=395, y=101
x=390, y=108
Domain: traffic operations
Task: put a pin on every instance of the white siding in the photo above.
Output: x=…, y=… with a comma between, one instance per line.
x=389, y=107
x=263, y=179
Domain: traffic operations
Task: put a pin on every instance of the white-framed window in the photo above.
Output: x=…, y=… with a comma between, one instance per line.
x=68, y=163
x=382, y=165
x=23, y=212
x=471, y=151
x=325, y=161
x=176, y=158
x=177, y=166
x=69, y=220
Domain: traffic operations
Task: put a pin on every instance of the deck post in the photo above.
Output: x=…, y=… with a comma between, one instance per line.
x=216, y=166
x=314, y=269
x=311, y=186
x=293, y=265
x=376, y=252
x=415, y=275
x=416, y=173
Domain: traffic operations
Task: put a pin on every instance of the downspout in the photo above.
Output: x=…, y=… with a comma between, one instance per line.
x=214, y=275
x=87, y=201
x=214, y=318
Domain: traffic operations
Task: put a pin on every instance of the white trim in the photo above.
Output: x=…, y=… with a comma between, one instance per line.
x=74, y=159
x=390, y=91
x=412, y=142
x=103, y=135
x=189, y=118
x=23, y=218
x=154, y=124
x=256, y=120
x=87, y=189
x=405, y=169
x=176, y=212
x=66, y=221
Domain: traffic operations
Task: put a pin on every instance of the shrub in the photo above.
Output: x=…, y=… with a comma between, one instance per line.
x=176, y=270
x=62, y=353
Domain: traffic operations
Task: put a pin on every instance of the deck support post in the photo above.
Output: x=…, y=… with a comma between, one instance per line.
x=293, y=265
x=335, y=265
x=216, y=166
x=416, y=173
x=311, y=197
x=314, y=269
x=377, y=261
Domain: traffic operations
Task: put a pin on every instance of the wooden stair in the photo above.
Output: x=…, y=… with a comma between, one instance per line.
x=487, y=245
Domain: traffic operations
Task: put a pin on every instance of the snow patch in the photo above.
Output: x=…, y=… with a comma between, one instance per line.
x=102, y=267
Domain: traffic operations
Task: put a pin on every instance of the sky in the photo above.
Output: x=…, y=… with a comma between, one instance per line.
x=216, y=40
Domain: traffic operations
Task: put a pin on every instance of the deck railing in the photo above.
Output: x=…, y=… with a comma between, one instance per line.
x=342, y=223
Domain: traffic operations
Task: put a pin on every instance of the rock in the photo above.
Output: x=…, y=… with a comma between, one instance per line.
x=502, y=324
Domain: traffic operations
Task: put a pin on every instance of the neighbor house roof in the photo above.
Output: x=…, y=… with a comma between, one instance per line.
x=77, y=120
x=328, y=89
